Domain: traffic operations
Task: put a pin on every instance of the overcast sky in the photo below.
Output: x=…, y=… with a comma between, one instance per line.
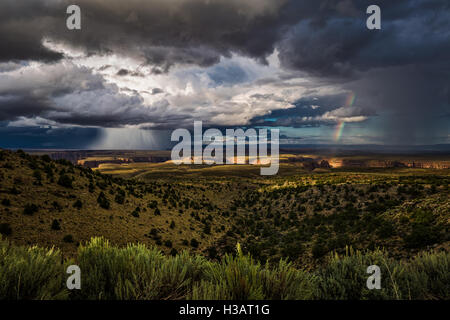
x=140, y=68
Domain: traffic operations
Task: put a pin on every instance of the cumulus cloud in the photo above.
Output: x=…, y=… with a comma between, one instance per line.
x=163, y=64
x=69, y=92
x=345, y=114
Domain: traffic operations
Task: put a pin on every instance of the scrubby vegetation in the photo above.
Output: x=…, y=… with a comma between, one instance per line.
x=138, y=272
x=289, y=224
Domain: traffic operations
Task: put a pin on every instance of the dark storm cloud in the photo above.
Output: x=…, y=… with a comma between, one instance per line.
x=163, y=32
x=401, y=71
x=412, y=32
x=23, y=24
x=322, y=37
x=415, y=98
x=14, y=107
x=38, y=137
x=35, y=95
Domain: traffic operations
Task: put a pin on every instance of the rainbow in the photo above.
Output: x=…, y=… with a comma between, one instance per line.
x=339, y=129
x=341, y=124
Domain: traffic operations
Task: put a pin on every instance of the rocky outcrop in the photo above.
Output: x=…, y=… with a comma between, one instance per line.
x=357, y=163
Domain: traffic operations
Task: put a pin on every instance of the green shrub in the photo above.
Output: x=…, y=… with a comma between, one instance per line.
x=135, y=272
x=135, y=214
x=30, y=209
x=31, y=273
x=207, y=229
x=103, y=201
x=65, y=181
x=5, y=229
x=120, y=196
x=212, y=252
x=14, y=191
x=153, y=204
x=78, y=204
x=235, y=277
x=319, y=249
x=428, y=277
x=284, y=282
x=387, y=230
x=46, y=158
x=37, y=175
x=194, y=243
x=168, y=243
x=68, y=238
x=344, y=277
x=56, y=225
x=421, y=236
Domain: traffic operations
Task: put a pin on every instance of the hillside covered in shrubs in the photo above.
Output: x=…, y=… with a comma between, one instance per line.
x=299, y=215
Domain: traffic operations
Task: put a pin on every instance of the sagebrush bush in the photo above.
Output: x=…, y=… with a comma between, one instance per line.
x=240, y=278
x=344, y=277
x=135, y=272
x=235, y=277
x=31, y=273
x=284, y=282
x=113, y=273
x=428, y=276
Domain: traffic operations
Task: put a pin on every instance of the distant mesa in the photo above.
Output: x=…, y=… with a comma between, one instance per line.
x=310, y=163
x=94, y=158
x=368, y=163
x=306, y=158
x=96, y=163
